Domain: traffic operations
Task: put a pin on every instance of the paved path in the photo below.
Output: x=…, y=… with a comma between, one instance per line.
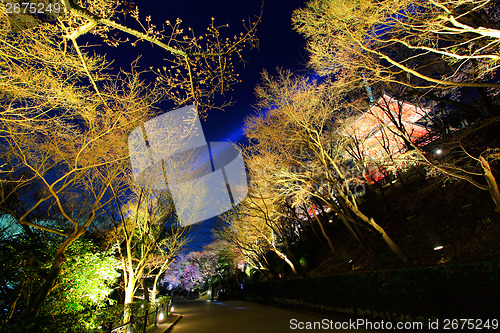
x=242, y=317
x=163, y=327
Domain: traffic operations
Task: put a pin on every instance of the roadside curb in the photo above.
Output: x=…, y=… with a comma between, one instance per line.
x=165, y=327
x=174, y=322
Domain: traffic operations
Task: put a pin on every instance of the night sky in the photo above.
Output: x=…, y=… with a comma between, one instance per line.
x=279, y=46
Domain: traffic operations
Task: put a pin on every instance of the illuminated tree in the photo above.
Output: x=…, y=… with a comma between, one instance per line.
x=200, y=67
x=299, y=124
x=262, y=219
x=464, y=157
x=254, y=252
x=421, y=44
x=255, y=225
x=148, y=236
x=64, y=118
x=70, y=167
x=216, y=263
x=86, y=280
x=218, y=260
x=422, y=48
x=184, y=272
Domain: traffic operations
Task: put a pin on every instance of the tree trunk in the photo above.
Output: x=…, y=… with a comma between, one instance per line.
x=285, y=258
x=348, y=219
x=293, y=259
x=145, y=290
x=36, y=303
x=345, y=218
x=322, y=243
x=154, y=293
x=393, y=246
x=388, y=240
x=129, y=297
x=323, y=231
x=492, y=183
x=315, y=232
x=12, y=307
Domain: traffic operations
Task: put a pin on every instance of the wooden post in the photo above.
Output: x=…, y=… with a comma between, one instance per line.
x=131, y=323
x=145, y=322
x=156, y=316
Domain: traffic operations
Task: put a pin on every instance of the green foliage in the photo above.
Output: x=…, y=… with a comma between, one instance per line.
x=303, y=262
x=77, y=303
x=66, y=323
x=23, y=263
x=86, y=279
x=92, y=320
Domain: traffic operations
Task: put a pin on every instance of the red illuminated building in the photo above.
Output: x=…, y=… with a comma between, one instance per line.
x=378, y=136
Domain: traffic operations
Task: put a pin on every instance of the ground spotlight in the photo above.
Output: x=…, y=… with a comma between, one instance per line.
x=160, y=316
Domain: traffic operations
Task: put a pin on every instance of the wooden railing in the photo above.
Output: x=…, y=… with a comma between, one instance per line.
x=161, y=312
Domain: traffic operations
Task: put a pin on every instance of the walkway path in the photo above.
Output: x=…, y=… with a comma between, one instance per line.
x=242, y=317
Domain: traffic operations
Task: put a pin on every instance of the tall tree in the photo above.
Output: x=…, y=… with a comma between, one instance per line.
x=148, y=236
x=64, y=118
x=466, y=157
x=300, y=126
x=263, y=216
x=433, y=49
x=422, y=44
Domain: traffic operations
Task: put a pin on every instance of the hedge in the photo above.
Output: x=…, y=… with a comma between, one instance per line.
x=448, y=291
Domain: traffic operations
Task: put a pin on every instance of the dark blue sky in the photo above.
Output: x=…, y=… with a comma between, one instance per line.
x=279, y=46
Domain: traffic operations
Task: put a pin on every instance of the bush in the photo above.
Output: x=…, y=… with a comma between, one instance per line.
x=454, y=290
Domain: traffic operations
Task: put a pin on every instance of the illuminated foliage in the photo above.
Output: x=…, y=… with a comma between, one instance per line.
x=147, y=235
x=302, y=134
x=421, y=44
x=86, y=280
x=213, y=264
x=65, y=115
x=439, y=50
